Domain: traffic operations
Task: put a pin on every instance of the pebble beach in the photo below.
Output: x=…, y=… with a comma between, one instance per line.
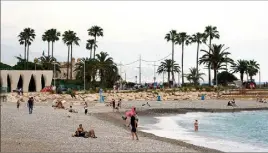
x=50, y=130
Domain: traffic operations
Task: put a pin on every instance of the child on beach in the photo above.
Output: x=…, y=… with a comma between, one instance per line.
x=85, y=107
x=196, y=125
x=18, y=103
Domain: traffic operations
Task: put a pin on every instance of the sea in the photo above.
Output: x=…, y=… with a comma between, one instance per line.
x=245, y=131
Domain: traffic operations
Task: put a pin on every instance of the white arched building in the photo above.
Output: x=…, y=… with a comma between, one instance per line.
x=28, y=80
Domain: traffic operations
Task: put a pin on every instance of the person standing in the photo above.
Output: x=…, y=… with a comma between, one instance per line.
x=113, y=103
x=134, y=125
x=196, y=125
x=30, y=105
x=85, y=107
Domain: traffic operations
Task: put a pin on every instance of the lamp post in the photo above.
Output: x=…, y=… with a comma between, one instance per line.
x=84, y=75
x=54, y=72
x=260, y=77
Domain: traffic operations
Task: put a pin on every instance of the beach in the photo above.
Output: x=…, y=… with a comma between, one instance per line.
x=50, y=130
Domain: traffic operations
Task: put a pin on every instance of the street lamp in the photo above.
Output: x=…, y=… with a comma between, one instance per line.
x=54, y=72
x=84, y=75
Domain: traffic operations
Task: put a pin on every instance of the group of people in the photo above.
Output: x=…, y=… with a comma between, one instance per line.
x=80, y=132
x=232, y=103
x=114, y=106
x=261, y=100
x=30, y=104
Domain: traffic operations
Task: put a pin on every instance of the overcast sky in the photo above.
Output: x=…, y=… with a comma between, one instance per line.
x=133, y=28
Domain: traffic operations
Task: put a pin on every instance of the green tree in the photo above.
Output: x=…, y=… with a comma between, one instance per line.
x=90, y=45
x=225, y=77
x=47, y=63
x=253, y=68
x=199, y=39
x=166, y=67
x=26, y=37
x=104, y=63
x=47, y=37
x=171, y=37
x=95, y=31
x=211, y=33
x=240, y=66
x=54, y=35
x=70, y=39
x=216, y=58
x=194, y=76
x=182, y=39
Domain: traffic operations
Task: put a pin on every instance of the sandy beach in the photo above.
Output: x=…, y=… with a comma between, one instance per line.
x=50, y=130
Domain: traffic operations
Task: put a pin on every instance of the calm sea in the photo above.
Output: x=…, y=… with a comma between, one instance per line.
x=229, y=132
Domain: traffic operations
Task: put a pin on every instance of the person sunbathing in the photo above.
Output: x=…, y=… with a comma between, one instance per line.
x=91, y=134
x=71, y=110
x=79, y=132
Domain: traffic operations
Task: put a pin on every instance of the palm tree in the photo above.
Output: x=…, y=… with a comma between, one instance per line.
x=54, y=34
x=171, y=36
x=95, y=31
x=73, y=40
x=166, y=67
x=25, y=38
x=35, y=62
x=90, y=45
x=194, y=76
x=66, y=40
x=199, y=39
x=47, y=37
x=211, y=33
x=182, y=39
x=240, y=66
x=47, y=63
x=104, y=64
x=216, y=58
x=253, y=68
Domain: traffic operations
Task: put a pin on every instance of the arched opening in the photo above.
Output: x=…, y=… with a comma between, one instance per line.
x=32, y=85
x=8, y=84
x=43, y=81
x=20, y=83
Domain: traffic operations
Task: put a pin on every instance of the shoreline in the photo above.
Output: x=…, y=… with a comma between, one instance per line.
x=117, y=121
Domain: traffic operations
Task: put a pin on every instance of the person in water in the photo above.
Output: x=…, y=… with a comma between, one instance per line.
x=196, y=125
x=134, y=125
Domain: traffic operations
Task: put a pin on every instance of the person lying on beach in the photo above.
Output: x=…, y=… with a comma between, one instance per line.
x=229, y=103
x=90, y=134
x=262, y=101
x=134, y=125
x=71, y=110
x=233, y=102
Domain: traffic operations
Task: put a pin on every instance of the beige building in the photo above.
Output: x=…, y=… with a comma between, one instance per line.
x=28, y=80
x=63, y=69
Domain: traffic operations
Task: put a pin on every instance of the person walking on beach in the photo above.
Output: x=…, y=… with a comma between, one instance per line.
x=196, y=125
x=85, y=107
x=134, y=125
x=30, y=105
x=113, y=103
x=18, y=103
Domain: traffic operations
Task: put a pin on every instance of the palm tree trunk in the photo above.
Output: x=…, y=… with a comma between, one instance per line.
x=52, y=52
x=209, y=75
x=172, y=68
x=197, y=55
x=90, y=53
x=182, y=74
x=168, y=78
x=25, y=47
x=27, y=57
x=241, y=77
x=215, y=73
x=94, y=48
x=71, y=61
x=48, y=48
x=68, y=62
